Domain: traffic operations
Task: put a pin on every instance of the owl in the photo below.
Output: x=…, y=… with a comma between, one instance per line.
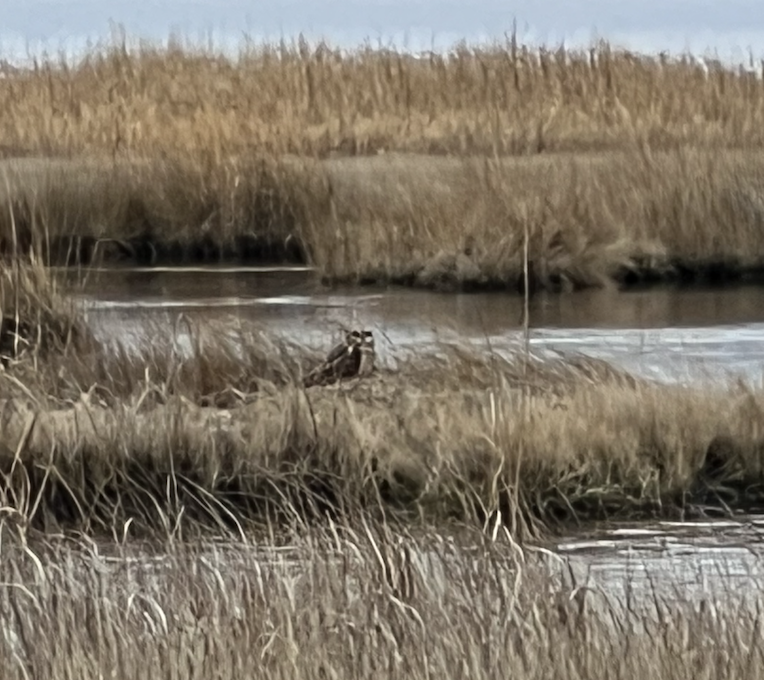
x=354, y=356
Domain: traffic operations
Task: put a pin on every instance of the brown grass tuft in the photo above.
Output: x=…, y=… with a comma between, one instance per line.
x=35, y=317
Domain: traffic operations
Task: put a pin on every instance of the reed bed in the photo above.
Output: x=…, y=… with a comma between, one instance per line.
x=354, y=600
x=147, y=100
x=578, y=221
x=153, y=210
x=602, y=166
x=467, y=223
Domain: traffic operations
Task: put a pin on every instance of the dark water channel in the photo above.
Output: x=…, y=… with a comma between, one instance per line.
x=683, y=334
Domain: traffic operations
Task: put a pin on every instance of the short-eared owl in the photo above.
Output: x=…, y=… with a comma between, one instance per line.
x=352, y=357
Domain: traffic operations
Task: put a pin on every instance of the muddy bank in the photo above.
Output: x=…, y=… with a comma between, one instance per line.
x=442, y=273
x=460, y=274
x=76, y=251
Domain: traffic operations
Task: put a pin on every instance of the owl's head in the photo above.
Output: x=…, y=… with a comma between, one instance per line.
x=367, y=341
x=354, y=338
x=359, y=338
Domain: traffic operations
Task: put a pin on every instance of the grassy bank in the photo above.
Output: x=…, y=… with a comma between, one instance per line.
x=357, y=602
x=223, y=434
x=579, y=448
x=602, y=167
x=444, y=223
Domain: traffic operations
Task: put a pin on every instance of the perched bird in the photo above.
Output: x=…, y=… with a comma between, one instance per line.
x=352, y=357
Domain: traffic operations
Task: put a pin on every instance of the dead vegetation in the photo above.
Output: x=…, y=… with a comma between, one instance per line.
x=440, y=223
x=579, y=220
x=602, y=165
x=147, y=101
x=153, y=210
x=36, y=319
x=353, y=600
x=211, y=425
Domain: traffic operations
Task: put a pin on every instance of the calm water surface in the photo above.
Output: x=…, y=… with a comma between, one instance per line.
x=666, y=333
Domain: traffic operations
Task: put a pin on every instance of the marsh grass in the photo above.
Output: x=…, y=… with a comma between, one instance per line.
x=36, y=318
x=616, y=219
x=352, y=600
x=617, y=168
x=146, y=100
x=163, y=438
x=210, y=424
x=152, y=210
x=597, y=220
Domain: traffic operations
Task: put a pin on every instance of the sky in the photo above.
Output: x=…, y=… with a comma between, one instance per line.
x=729, y=29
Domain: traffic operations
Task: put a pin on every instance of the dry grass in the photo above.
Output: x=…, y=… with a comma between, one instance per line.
x=222, y=435
x=35, y=317
x=587, y=220
x=434, y=222
x=650, y=168
x=173, y=210
x=210, y=424
x=312, y=101
x=356, y=601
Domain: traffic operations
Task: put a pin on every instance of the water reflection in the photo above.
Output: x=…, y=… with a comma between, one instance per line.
x=692, y=560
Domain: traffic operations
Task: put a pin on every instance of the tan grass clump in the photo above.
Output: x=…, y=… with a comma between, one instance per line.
x=35, y=317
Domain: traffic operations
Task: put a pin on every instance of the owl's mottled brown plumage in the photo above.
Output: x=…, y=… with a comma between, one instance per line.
x=353, y=357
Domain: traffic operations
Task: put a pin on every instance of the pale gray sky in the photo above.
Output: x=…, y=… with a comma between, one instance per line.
x=732, y=27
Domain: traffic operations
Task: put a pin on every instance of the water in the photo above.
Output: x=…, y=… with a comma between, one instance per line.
x=672, y=334
x=691, y=560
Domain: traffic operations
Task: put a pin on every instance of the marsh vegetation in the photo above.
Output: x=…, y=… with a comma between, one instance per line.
x=445, y=171
x=356, y=599
x=196, y=502
x=222, y=433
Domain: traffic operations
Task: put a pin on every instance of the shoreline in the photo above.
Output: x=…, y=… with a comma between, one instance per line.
x=469, y=225
x=74, y=253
